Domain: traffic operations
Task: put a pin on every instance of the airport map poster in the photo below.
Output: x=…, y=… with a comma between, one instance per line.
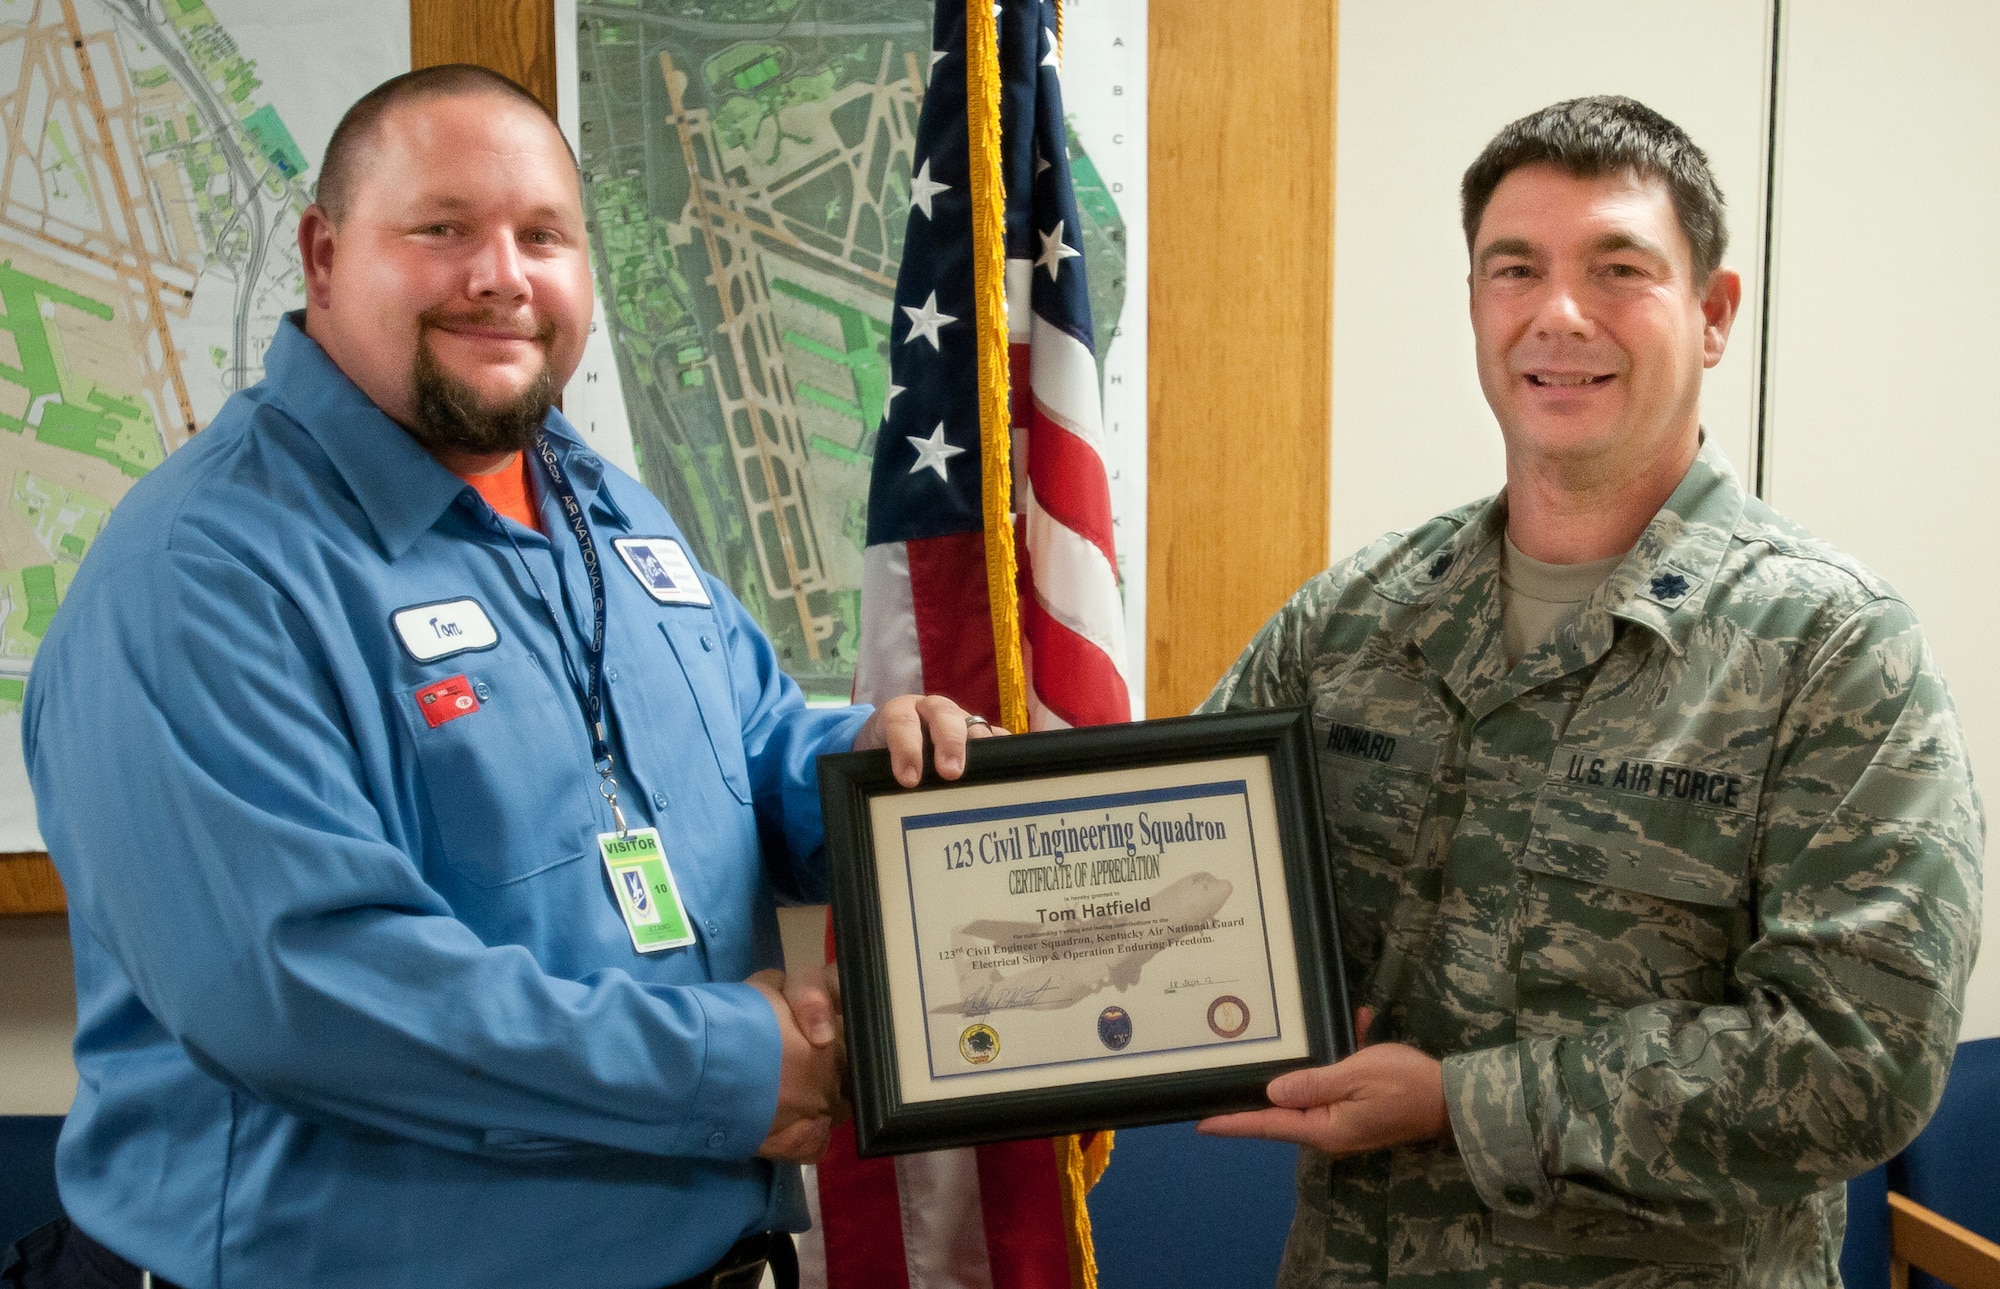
x=156, y=156
x=746, y=173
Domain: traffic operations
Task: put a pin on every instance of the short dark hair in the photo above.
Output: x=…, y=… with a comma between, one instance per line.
x=348, y=147
x=1601, y=135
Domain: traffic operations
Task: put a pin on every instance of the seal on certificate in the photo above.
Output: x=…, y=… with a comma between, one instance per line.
x=1114, y=1028
x=1228, y=1016
x=979, y=1044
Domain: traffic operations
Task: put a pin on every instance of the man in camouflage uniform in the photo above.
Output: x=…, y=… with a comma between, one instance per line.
x=1662, y=929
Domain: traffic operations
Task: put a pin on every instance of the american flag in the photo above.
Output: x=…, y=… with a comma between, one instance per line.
x=1009, y=1216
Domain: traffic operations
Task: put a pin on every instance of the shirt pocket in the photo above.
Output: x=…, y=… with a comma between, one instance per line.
x=1374, y=785
x=511, y=784
x=1665, y=1256
x=698, y=645
x=1632, y=896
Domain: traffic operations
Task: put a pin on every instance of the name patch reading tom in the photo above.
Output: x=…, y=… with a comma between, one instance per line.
x=1662, y=779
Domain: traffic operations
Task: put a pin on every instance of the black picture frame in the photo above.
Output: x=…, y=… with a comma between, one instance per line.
x=888, y=1122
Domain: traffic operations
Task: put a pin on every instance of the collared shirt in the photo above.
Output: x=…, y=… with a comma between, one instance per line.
x=356, y=1005
x=1685, y=901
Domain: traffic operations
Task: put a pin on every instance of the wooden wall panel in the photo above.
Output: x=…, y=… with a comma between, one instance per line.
x=29, y=886
x=514, y=37
x=1241, y=326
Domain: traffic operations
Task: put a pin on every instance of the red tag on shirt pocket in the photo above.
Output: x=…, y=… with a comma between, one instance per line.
x=447, y=700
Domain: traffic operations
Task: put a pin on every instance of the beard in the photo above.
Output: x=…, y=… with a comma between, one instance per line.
x=451, y=416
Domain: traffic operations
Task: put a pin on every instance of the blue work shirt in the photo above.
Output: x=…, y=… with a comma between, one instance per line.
x=355, y=1003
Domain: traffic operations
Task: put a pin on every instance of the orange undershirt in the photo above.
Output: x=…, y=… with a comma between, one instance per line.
x=507, y=491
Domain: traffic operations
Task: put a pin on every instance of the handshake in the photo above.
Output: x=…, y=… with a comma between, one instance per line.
x=813, y=1068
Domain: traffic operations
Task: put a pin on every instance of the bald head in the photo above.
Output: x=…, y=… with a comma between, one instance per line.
x=359, y=133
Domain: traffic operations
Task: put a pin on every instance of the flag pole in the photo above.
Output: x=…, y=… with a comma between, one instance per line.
x=989, y=253
x=1077, y=1166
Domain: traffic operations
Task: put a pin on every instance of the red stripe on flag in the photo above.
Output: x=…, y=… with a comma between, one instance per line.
x=862, y=1227
x=1020, y=396
x=1020, y=1199
x=1073, y=676
x=1070, y=482
x=948, y=591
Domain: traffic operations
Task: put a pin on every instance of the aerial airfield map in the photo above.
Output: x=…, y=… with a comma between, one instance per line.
x=149, y=195
x=747, y=178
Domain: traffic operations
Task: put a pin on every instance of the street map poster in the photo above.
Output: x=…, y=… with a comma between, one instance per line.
x=746, y=169
x=156, y=157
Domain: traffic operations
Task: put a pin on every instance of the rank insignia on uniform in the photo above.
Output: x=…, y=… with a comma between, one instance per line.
x=1667, y=586
x=1439, y=566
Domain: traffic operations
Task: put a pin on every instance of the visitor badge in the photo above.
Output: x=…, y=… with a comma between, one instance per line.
x=645, y=888
x=663, y=568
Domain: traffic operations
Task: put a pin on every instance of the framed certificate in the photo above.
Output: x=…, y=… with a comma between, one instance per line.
x=1093, y=928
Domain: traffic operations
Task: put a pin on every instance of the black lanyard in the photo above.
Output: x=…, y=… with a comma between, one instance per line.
x=589, y=685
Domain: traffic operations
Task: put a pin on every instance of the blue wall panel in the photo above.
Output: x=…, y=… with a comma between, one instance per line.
x=1179, y=1209
x=1953, y=1167
x=27, y=1174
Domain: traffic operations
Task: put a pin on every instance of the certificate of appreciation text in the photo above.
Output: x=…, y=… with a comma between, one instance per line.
x=1133, y=922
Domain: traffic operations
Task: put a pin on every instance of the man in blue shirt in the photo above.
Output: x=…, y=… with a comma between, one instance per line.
x=337, y=760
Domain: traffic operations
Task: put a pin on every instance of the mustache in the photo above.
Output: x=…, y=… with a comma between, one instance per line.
x=440, y=318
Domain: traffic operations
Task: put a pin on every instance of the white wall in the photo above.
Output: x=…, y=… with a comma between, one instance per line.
x=37, y=1016
x=1884, y=430
x=1885, y=337
x=1422, y=89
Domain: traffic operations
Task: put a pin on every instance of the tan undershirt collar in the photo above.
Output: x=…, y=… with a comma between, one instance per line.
x=1539, y=598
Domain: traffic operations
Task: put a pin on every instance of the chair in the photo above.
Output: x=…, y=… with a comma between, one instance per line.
x=1920, y=1238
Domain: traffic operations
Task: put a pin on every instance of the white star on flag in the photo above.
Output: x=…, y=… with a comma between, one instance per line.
x=1051, y=59
x=923, y=188
x=926, y=321
x=1041, y=162
x=933, y=452
x=1055, y=251
x=890, y=401
x=937, y=56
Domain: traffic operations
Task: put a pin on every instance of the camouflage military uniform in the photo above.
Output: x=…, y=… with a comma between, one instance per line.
x=1685, y=903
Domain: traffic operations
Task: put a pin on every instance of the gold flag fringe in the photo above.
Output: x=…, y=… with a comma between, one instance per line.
x=1077, y=1167
x=989, y=265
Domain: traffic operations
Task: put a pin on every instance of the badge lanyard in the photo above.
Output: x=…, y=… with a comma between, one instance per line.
x=589, y=687
x=641, y=879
